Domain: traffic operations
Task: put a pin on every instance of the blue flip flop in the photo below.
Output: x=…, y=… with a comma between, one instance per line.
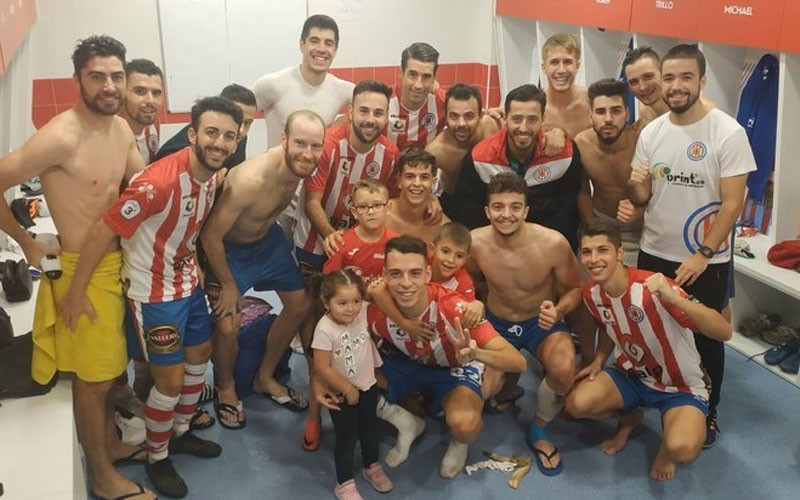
x=535, y=434
x=493, y=407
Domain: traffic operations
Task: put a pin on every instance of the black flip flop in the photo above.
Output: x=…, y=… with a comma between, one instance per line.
x=197, y=426
x=131, y=459
x=236, y=411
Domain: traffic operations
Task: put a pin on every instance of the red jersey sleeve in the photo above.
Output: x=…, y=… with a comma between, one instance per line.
x=681, y=317
x=319, y=178
x=466, y=286
x=140, y=199
x=452, y=306
x=336, y=261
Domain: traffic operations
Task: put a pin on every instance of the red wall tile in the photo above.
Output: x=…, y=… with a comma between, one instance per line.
x=343, y=73
x=367, y=73
x=387, y=74
x=40, y=115
x=65, y=91
x=43, y=94
x=466, y=73
x=446, y=74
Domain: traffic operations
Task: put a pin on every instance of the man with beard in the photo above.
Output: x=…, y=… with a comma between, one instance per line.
x=606, y=153
x=690, y=169
x=352, y=152
x=416, y=174
x=553, y=181
x=642, y=68
x=245, y=247
x=144, y=97
x=82, y=156
x=568, y=103
x=158, y=218
x=533, y=281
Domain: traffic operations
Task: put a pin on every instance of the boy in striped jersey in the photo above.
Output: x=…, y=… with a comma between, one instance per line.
x=648, y=321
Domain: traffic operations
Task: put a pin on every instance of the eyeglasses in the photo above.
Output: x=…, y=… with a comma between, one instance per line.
x=362, y=209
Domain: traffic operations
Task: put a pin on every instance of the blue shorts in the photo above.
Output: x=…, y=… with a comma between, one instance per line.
x=524, y=334
x=267, y=264
x=405, y=377
x=310, y=263
x=636, y=394
x=158, y=331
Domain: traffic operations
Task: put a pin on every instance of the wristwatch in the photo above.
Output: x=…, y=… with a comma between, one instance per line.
x=705, y=251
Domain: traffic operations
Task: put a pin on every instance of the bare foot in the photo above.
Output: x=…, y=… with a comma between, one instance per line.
x=270, y=387
x=663, y=469
x=229, y=396
x=118, y=485
x=122, y=450
x=547, y=449
x=626, y=425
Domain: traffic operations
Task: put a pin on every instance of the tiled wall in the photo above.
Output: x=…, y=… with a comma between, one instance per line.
x=54, y=95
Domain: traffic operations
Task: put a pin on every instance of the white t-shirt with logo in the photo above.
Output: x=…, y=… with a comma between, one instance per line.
x=687, y=163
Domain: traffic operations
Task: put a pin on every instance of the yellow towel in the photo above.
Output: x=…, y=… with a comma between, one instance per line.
x=94, y=352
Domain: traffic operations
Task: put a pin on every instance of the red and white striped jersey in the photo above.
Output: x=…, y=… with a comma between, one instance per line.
x=158, y=217
x=415, y=128
x=462, y=283
x=339, y=167
x=148, y=142
x=652, y=340
x=444, y=307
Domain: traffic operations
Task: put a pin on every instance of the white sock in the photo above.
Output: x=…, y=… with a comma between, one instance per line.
x=548, y=403
x=408, y=425
x=454, y=459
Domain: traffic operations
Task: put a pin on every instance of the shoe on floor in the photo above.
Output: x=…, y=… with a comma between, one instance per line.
x=189, y=444
x=347, y=491
x=712, y=428
x=776, y=355
x=377, y=478
x=313, y=434
x=166, y=479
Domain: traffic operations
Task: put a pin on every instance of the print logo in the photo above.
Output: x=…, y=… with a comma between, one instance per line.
x=606, y=315
x=148, y=189
x=542, y=174
x=515, y=330
x=130, y=209
x=698, y=225
x=696, y=151
x=429, y=121
x=397, y=124
x=373, y=169
x=188, y=209
x=461, y=306
x=665, y=172
x=162, y=339
x=344, y=166
x=635, y=313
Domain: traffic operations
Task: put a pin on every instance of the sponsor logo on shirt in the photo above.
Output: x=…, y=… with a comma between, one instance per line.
x=396, y=124
x=668, y=174
x=515, y=330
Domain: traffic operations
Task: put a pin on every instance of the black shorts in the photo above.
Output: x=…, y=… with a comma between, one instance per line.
x=712, y=288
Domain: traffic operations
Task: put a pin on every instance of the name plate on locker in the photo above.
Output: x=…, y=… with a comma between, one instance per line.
x=750, y=23
x=608, y=14
x=672, y=18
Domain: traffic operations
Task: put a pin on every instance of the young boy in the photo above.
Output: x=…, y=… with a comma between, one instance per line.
x=362, y=247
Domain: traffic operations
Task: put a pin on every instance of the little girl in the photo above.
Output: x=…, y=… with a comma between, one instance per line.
x=345, y=359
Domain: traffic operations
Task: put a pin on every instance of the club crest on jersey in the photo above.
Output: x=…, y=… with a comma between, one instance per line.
x=397, y=124
x=162, y=339
x=373, y=170
x=515, y=330
x=635, y=313
x=542, y=174
x=696, y=151
x=130, y=209
x=429, y=121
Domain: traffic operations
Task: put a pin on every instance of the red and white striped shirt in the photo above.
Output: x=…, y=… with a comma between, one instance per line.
x=158, y=217
x=462, y=283
x=652, y=340
x=444, y=307
x=148, y=142
x=366, y=259
x=415, y=128
x=339, y=167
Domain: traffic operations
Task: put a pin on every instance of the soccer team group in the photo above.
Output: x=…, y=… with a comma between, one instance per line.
x=418, y=243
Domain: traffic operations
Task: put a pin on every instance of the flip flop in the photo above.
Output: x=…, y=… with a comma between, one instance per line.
x=236, y=411
x=121, y=497
x=535, y=434
x=493, y=407
x=291, y=401
x=194, y=423
x=131, y=459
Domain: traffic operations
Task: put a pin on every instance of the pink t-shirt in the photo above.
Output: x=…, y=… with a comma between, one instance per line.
x=353, y=353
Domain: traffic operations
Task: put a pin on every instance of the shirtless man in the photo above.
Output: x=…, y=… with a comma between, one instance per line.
x=606, y=152
x=82, y=156
x=144, y=97
x=245, y=248
x=533, y=281
x=567, y=103
x=416, y=174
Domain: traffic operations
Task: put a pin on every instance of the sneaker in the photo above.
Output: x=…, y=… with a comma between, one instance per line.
x=377, y=478
x=166, y=479
x=313, y=434
x=347, y=491
x=712, y=428
x=189, y=444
